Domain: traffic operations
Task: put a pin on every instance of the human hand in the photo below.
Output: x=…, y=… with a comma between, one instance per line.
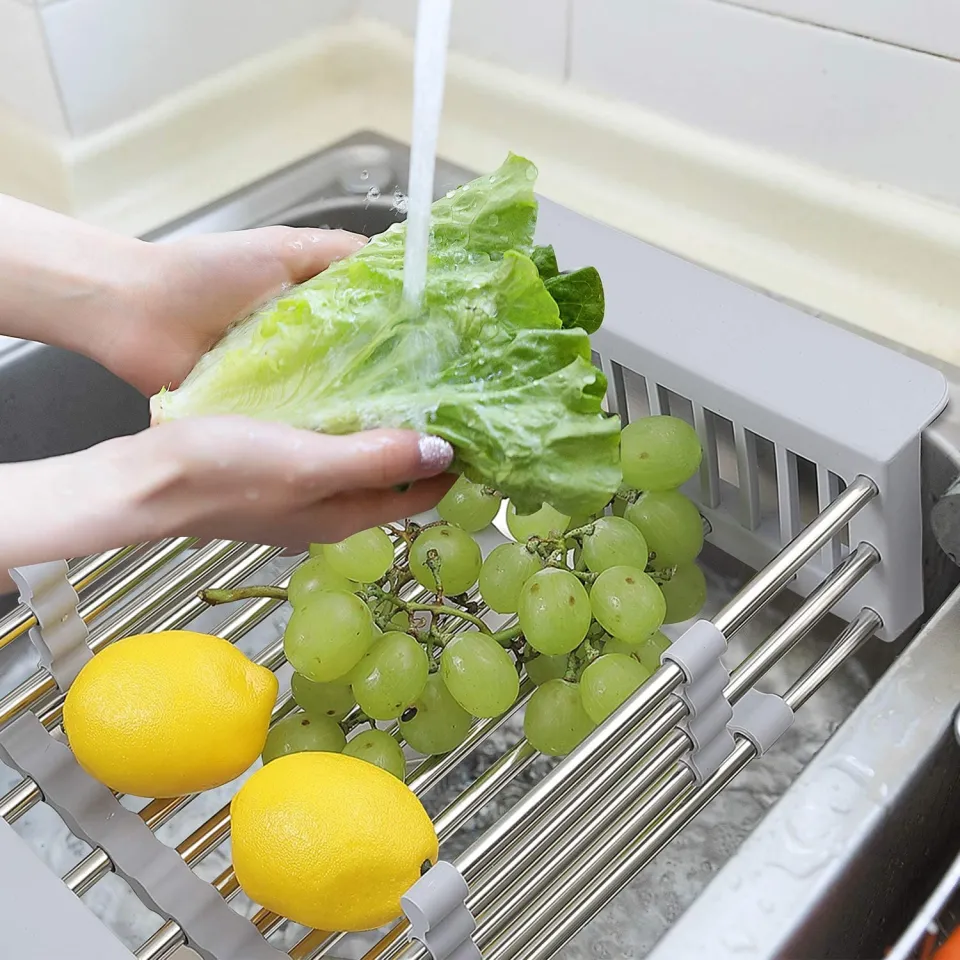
x=188, y=292
x=224, y=477
x=146, y=311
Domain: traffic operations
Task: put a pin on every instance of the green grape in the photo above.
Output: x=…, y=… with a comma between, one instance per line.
x=613, y=645
x=468, y=506
x=648, y=652
x=506, y=569
x=326, y=637
x=302, y=734
x=614, y=542
x=659, y=453
x=459, y=559
x=380, y=749
x=555, y=721
x=391, y=676
x=543, y=668
x=480, y=675
x=546, y=523
x=333, y=700
x=627, y=603
x=608, y=682
x=685, y=593
x=439, y=723
x=316, y=576
x=554, y=611
x=364, y=557
x=316, y=549
x=671, y=525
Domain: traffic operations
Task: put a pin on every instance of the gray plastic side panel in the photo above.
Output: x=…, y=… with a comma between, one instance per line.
x=40, y=918
x=154, y=871
x=812, y=389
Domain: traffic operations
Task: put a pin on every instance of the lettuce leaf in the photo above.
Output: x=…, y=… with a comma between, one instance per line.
x=489, y=362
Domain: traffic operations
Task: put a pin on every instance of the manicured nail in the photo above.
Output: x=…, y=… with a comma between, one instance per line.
x=435, y=454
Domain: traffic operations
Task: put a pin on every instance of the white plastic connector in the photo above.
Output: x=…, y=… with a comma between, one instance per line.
x=439, y=917
x=697, y=653
x=61, y=635
x=763, y=718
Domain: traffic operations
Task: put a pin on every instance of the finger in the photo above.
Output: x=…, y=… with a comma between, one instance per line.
x=306, y=251
x=378, y=459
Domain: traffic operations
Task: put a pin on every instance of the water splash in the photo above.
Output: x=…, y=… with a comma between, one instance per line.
x=433, y=31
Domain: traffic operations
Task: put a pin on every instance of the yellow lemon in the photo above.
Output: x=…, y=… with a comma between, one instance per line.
x=329, y=841
x=164, y=714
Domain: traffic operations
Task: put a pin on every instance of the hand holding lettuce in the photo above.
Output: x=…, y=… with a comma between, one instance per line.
x=497, y=361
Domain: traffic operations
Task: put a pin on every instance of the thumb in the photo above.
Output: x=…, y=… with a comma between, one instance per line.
x=378, y=459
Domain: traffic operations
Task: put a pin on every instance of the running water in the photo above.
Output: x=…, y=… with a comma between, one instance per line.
x=430, y=63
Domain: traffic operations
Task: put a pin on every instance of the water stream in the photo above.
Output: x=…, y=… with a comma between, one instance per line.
x=430, y=63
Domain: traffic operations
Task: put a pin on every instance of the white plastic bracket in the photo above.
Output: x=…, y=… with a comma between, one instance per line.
x=763, y=718
x=61, y=635
x=439, y=917
x=697, y=653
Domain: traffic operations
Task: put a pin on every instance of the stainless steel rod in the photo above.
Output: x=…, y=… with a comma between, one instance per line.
x=213, y=556
x=14, y=804
x=19, y=620
x=781, y=570
x=574, y=769
x=561, y=828
x=573, y=826
x=600, y=886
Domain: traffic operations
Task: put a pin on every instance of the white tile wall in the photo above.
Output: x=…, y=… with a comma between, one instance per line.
x=869, y=110
x=527, y=35
x=115, y=57
x=27, y=83
x=930, y=25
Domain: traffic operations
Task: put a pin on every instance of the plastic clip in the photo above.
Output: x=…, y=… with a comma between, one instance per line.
x=763, y=718
x=697, y=653
x=439, y=917
x=61, y=635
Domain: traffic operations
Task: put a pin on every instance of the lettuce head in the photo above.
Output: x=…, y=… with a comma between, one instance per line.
x=496, y=360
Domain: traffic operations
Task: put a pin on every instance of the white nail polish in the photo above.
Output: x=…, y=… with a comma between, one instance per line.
x=435, y=454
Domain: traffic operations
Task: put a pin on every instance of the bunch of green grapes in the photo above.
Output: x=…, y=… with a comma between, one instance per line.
x=386, y=626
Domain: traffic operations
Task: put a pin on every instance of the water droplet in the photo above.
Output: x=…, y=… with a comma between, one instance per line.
x=493, y=219
x=364, y=174
x=531, y=175
x=373, y=194
x=399, y=202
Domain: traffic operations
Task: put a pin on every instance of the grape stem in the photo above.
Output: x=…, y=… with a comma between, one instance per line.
x=440, y=609
x=215, y=596
x=662, y=576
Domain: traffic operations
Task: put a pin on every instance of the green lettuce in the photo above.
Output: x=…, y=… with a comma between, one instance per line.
x=496, y=360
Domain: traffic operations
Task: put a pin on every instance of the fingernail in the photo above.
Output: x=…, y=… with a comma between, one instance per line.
x=435, y=454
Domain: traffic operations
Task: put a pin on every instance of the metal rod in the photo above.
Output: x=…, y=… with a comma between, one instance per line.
x=573, y=825
x=19, y=620
x=591, y=823
x=14, y=803
x=778, y=573
x=512, y=861
x=817, y=605
x=598, y=886
x=210, y=557
x=575, y=769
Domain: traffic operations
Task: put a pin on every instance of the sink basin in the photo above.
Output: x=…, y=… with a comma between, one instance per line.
x=845, y=840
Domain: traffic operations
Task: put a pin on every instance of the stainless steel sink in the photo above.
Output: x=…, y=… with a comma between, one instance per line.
x=845, y=840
